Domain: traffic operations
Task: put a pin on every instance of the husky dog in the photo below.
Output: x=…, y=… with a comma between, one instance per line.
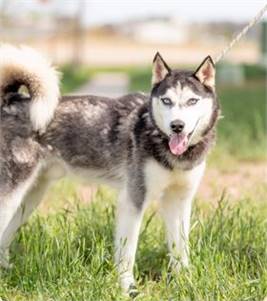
x=150, y=147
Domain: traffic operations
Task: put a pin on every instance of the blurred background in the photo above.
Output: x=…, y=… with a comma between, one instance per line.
x=124, y=33
x=106, y=48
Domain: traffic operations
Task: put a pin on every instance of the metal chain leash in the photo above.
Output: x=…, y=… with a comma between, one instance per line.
x=253, y=22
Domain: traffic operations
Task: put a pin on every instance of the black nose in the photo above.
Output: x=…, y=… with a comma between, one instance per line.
x=177, y=126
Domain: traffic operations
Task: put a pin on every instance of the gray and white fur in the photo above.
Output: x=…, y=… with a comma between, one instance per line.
x=149, y=147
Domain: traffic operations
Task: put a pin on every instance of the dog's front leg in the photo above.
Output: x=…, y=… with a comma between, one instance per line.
x=175, y=208
x=176, y=215
x=129, y=217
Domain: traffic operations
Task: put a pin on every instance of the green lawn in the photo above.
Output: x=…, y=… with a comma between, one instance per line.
x=242, y=131
x=68, y=254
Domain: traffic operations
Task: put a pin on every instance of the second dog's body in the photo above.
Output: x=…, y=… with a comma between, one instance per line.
x=136, y=143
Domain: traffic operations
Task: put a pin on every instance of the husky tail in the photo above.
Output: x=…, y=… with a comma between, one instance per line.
x=24, y=66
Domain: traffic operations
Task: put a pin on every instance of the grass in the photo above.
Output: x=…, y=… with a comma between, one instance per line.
x=68, y=256
x=242, y=132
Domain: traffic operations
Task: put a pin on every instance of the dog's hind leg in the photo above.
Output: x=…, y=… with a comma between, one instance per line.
x=9, y=204
x=31, y=200
x=129, y=217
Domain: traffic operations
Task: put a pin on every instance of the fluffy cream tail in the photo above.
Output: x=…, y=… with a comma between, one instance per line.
x=24, y=66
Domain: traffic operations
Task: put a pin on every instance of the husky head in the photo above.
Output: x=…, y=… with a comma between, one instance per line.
x=183, y=104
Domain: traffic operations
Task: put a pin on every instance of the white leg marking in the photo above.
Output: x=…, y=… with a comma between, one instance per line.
x=175, y=208
x=128, y=224
x=28, y=205
x=176, y=214
x=8, y=207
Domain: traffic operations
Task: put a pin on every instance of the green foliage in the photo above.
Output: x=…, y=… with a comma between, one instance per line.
x=73, y=77
x=242, y=132
x=140, y=79
x=254, y=71
x=69, y=256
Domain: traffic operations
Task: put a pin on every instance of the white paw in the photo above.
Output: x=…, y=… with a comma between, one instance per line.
x=127, y=283
x=178, y=264
x=133, y=291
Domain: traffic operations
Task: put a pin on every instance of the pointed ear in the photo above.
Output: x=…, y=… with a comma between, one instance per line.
x=160, y=69
x=205, y=73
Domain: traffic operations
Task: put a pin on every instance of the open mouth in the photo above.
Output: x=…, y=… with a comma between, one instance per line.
x=179, y=143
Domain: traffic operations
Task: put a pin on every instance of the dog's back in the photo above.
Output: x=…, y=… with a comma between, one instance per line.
x=92, y=135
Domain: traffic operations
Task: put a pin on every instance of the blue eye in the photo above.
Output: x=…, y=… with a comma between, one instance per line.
x=192, y=101
x=166, y=101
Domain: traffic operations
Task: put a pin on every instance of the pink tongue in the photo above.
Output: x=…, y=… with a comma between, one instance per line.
x=178, y=144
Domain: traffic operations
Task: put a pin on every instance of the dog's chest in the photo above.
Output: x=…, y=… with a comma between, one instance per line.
x=159, y=179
